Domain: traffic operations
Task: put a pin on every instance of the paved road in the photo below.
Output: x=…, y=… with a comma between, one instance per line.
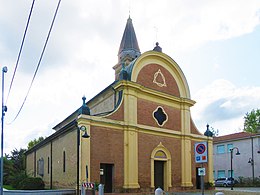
x=248, y=189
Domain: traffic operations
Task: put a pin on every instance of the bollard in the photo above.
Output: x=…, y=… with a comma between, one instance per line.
x=219, y=193
x=100, y=189
x=158, y=191
x=82, y=190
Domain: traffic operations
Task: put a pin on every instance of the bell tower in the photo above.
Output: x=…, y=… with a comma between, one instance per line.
x=129, y=48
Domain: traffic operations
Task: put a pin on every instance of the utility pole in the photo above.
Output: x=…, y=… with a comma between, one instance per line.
x=4, y=109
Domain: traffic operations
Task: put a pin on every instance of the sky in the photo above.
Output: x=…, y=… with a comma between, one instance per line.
x=216, y=43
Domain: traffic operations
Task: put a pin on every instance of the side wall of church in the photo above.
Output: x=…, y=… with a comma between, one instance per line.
x=43, y=154
x=104, y=102
x=30, y=166
x=58, y=159
x=64, y=175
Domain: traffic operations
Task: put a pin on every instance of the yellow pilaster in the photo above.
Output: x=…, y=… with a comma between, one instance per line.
x=186, y=177
x=210, y=161
x=130, y=141
x=84, y=152
x=186, y=172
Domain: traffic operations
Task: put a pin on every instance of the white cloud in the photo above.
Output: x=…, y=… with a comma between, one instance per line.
x=223, y=105
x=83, y=49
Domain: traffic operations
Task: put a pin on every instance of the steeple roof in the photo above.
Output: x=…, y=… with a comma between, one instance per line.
x=129, y=45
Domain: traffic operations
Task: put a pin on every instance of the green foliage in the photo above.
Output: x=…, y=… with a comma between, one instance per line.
x=8, y=187
x=34, y=142
x=18, y=159
x=208, y=185
x=14, y=169
x=252, y=121
x=14, y=164
x=32, y=183
x=8, y=170
x=248, y=182
x=17, y=178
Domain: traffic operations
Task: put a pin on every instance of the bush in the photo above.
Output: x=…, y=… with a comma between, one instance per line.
x=208, y=185
x=248, y=182
x=32, y=183
x=16, y=179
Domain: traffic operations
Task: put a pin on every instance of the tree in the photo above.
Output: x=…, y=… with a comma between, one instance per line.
x=252, y=121
x=14, y=165
x=18, y=159
x=34, y=142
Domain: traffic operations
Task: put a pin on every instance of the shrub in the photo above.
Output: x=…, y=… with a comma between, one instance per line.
x=208, y=185
x=15, y=180
x=32, y=183
x=248, y=182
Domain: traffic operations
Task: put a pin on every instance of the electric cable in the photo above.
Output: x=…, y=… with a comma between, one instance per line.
x=20, y=51
x=38, y=65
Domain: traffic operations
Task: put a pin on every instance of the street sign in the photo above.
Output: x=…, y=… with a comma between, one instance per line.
x=201, y=153
x=201, y=171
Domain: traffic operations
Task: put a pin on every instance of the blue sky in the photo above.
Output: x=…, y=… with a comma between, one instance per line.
x=216, y=43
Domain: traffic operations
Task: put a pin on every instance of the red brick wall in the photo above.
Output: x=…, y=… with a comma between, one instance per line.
x=146, y=77
x=119, y=114
x=146, y=144
x=107, y=146
x=193, y=128
x=145, y=115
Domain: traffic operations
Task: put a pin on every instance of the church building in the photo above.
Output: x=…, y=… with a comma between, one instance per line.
x=134, y=136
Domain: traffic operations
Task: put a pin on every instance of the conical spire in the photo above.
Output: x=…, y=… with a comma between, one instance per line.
x=129, y=45
x=129, y=48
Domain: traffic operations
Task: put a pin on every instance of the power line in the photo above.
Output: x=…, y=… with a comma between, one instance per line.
x=39, y=62
x=20, y=51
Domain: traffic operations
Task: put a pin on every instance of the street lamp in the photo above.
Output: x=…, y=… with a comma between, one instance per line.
x=4, y=109
x=251, y=161
x=231, y=161
x=85, y=135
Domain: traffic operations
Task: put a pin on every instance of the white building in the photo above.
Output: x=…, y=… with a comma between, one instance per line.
x=246, y=164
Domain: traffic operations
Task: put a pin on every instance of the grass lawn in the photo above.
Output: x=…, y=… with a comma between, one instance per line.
x=8, y=187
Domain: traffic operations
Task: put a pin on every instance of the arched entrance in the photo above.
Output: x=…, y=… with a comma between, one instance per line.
x=161, y=168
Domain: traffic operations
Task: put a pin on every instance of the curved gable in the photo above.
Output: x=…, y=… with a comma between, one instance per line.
x=158, y=71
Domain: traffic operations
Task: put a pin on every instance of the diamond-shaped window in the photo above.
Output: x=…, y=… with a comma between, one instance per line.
x=160, y=116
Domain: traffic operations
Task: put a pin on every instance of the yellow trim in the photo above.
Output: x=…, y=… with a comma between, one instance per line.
x=210, y=161
x=186, y=178
x=142, y=92
x=167, y=168
x=84, y=153
x=130, y=140
x=152, y=57
x=119, y=125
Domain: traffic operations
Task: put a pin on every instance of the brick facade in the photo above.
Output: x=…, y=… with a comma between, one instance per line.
x=128, y=138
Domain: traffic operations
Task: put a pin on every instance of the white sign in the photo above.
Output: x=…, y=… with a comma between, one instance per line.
x=201, y=171
x=201, y=152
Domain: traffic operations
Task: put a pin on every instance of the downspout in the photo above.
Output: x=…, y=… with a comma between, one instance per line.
x=114, y=97
x=51, y=168
x=252, y=151
x=34, y=171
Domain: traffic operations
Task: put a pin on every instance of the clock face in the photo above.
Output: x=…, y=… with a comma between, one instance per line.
x=83, y=128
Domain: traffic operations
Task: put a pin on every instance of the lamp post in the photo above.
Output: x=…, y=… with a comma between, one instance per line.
x=251, y=161
x=4, y=109
x=85, y=135
x=231, y=162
